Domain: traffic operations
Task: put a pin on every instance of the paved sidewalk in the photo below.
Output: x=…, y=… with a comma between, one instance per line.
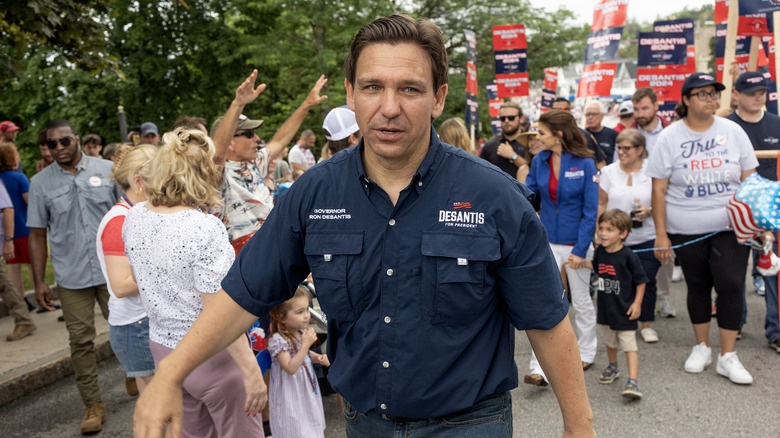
x=43, y=357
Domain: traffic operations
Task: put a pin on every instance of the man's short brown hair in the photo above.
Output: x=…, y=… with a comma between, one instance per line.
x=643, y=92
x=397, y=29
x=512, y=105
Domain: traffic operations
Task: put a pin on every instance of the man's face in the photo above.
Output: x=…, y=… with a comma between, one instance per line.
x=92, y=149
x=46, y=154
x=644, y=111
x=394, y=100
x=151, y=138
x=510, y=120
x=751, y=102
x=243, y=146
x=9, y=135
x=307, y=142
x=562, y=105
x=593, y=117
x=64, y=155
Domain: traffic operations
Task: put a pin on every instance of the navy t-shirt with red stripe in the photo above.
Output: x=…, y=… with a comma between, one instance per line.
x=619, y=275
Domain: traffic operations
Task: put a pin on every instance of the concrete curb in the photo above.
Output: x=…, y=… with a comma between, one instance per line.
x=45, y=371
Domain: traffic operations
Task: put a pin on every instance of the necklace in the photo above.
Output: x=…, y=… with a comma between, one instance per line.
x=127, y=200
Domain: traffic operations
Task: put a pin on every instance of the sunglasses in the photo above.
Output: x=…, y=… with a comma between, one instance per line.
x=64, y=141
x=505, y=118
x=249, y=133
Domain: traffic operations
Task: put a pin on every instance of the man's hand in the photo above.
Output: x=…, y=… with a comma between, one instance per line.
x=256, y=393
x=8, y=250
x=505, y=150
x=159, y=404
x=314, y=98
x=246, y=93
x=44, y=297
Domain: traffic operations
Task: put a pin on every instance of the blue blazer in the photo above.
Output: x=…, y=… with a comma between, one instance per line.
x=572, y=219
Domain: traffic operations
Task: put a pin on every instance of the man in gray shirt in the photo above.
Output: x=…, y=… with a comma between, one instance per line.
x=67, y=201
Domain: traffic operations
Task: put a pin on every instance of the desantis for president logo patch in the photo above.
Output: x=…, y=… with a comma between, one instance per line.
x=460, y=216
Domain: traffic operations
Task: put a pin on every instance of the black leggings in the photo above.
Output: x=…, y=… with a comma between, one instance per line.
x=718, y=261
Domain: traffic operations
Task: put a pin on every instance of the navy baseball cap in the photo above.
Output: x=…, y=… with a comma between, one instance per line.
x=749, y=82
x=698, y=80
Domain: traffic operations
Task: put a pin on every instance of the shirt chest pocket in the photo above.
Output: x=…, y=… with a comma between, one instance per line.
x=59, y=200
x=455, y=285
x=333, y=261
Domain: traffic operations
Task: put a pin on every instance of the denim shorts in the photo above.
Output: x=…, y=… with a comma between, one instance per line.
x=131, y=346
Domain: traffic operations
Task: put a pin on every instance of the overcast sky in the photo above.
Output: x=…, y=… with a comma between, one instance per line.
x=642, y=10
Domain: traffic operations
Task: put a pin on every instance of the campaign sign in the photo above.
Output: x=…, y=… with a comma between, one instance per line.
x=666, y=110
x=609, y=13
x=755, y=25
x=768, y=45
x=684, y=25
x=743, y=42
x=471, y=46
x=550, y=79
x=742, y=64
x=511, y=61
x=721, y=11
x=492, y=90
x=662, y=48
x=494, y=105
x=471, y=78
x=691, y=59
x=512, y=85
x=748, y=7
x=509, y=37
x=495, y=126
x=666, y=82
x=602, y=45
x=472, y=109
x=596, y=80
x=548, y=96
x=771, y=92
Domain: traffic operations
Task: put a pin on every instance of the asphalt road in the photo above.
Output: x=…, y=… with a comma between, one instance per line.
x=676, y=404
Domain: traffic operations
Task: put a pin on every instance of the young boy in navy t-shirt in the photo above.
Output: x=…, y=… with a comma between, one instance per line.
x=621, y=287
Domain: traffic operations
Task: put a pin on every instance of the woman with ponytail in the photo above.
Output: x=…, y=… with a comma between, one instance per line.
x=179, y=255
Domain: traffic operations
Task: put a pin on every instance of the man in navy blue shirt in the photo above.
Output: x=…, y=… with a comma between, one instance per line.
x=424, y=278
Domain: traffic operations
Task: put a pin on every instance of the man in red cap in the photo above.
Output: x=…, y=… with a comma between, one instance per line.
x=8, y=131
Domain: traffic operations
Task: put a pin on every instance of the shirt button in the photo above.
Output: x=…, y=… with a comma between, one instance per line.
x=392, y=222
x=386, y=364
x=383, y=406
x=419, y=183
x=389, y=272
x=388, y=319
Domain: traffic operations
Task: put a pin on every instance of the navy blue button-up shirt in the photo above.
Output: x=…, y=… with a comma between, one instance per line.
x=421, y=297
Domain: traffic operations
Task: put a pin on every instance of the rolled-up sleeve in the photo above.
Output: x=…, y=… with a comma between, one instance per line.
x=37, y=213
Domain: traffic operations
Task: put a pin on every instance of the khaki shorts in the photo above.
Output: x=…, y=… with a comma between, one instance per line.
x=627, y=339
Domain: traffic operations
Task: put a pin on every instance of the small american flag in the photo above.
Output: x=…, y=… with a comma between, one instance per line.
x=459, y=205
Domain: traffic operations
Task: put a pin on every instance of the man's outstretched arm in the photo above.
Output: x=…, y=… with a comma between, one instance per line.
x=246, y=93
x=219, y=325
x=287, y=131
x=559, y=356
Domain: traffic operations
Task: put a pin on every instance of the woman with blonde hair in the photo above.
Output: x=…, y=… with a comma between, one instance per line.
x=453, y=131
x=128, y=324
x=179, y=255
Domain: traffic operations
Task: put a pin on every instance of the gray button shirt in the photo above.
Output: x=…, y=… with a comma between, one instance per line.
x=71, y=207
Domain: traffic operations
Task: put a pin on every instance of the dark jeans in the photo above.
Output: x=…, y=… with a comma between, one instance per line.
x=718, y=261
x=489, y=418
x=650, y=264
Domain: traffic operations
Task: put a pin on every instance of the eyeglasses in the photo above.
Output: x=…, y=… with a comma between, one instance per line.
x=249, y=133
x=703, y=95
x=64, y=141
x=505, y=118
x=592, y=114
x=625, y=148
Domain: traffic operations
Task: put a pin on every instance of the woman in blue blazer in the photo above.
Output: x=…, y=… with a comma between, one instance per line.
x=564, y=177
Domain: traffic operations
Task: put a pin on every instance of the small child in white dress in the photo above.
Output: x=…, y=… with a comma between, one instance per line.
x=295, y=403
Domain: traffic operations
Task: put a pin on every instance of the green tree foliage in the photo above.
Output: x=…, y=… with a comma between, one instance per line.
x=164, y=59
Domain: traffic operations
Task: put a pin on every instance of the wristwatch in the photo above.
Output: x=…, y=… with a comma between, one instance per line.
x=8, y=239
x=514, y=157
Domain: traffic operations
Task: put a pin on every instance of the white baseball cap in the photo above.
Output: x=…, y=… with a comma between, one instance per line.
x=339, y=124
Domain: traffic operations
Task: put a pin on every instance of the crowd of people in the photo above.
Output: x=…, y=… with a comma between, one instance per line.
x=416, y=249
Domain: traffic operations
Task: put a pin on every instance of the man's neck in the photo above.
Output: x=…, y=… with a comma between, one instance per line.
x=513, y=136
x=650, y=127
x=71, y=167
x=750, y=117
x=392, y=175
x=596, y=129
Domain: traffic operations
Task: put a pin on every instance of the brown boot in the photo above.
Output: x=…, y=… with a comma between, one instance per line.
x=94, y=417
x=131, y=386
x=21, y=331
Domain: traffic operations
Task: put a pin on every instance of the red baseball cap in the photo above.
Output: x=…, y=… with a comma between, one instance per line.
x=8, y=126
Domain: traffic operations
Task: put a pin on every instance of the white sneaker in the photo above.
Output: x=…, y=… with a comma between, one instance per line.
x=700, y=357
x=665, y=308
x=649, y=335
x=677, y=274
x=730, y=366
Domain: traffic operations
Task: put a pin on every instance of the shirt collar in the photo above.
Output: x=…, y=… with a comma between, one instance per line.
x=424, y=173
x=81, y=165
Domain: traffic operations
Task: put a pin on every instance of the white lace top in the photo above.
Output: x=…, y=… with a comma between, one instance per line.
x=175, y=257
